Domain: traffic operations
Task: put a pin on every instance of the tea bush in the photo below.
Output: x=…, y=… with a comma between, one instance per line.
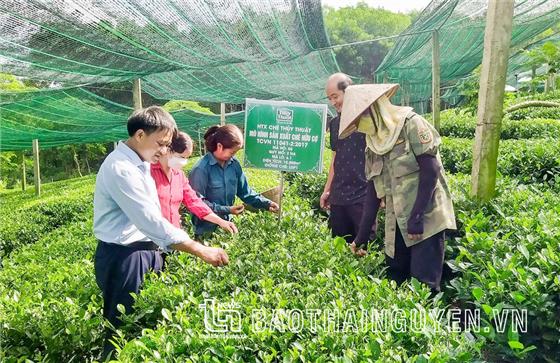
x=51, y=307
x=294, y=265
x=535, y=113
x=461, y=124
x=505, y=256
x=50, y=303
x=529, y=161
x=28, y=225
x=25, y=218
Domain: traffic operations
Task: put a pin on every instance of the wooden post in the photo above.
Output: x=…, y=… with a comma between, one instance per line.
x=36, y=168
x=222, y=114
x=200, y=148
x=137, y=95
x=550, y=84
x=281, y=197
x=497, y=40
x=23, y=172
x=533, y=75
x=403, y=94
x=436, y=99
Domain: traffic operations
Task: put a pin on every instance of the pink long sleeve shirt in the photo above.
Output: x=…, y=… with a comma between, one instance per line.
x=174, y=191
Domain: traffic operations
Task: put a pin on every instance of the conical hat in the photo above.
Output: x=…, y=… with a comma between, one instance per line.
x=356, y=100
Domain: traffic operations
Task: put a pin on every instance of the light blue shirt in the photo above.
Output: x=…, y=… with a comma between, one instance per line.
x=126, y=207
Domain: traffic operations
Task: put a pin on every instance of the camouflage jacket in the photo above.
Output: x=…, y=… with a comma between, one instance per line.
x=396, y=178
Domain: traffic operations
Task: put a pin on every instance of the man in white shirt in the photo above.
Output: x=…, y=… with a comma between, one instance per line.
x=127, y=216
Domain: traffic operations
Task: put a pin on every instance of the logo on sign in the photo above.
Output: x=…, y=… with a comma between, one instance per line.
x=284, y=115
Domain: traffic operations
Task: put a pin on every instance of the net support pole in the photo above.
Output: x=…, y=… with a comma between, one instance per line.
x=23, y=172
x=222, y=114
x=36, y=168
x=137, y=95
x=281, y=197
x=436, y=74
x=403, y=94
x=533, y=75
x=200, y=149
x=497, y=40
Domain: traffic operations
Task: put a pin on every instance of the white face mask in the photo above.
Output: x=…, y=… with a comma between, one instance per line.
x=176, y=162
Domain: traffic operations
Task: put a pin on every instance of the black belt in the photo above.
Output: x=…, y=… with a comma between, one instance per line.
x=135, y=246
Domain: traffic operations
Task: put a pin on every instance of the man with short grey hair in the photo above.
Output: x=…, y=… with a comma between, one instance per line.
x=345, y=189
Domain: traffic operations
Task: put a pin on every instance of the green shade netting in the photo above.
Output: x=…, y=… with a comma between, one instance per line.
x=518, y=73
x=460, y=25
x=217, y=51
x=104, y=41
x=301, y=79
x=76, y=116
x=207, y=50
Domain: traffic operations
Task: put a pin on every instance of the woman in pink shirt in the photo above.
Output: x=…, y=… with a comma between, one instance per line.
x=173, y=187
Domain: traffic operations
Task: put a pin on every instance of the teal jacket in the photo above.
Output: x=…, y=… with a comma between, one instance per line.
x=219, y=186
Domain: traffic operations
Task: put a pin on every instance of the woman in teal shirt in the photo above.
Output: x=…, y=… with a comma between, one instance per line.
x=218, y=178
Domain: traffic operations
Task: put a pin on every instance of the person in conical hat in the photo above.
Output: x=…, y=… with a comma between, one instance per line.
x=404, y=168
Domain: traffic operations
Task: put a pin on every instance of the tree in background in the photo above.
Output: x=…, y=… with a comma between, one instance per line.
x=10, y=161
x=10, y=83
x=177, y=105
x=548, y=54
x=468, y=88
x=351, y=24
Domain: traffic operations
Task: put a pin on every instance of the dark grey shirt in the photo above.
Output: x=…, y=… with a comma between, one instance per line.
x=349, y=182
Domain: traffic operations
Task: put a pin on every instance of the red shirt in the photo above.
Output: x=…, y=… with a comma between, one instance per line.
x=173, y=192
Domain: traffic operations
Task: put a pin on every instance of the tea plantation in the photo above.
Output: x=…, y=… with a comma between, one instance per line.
x=504, y=257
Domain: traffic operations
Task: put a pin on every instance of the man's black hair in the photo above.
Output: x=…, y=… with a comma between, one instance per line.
x=150, y=119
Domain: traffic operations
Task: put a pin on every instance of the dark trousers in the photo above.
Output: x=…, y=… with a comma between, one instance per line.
x=423, y=261
x=119, y=271
x=344, y=220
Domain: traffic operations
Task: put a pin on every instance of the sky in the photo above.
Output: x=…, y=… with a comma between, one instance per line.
x=393, y=5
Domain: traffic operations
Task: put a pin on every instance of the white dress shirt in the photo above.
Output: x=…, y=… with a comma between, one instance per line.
x=126, y=207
